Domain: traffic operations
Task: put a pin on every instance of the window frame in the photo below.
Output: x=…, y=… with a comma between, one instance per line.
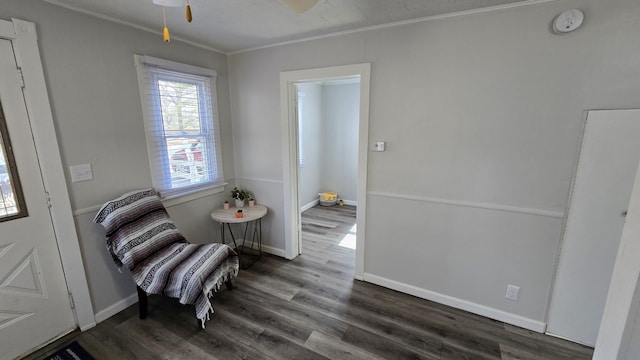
x=149, y=73
x=12, y=171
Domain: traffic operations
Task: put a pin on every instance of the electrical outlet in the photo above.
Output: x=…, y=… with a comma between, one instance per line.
x=512, y=292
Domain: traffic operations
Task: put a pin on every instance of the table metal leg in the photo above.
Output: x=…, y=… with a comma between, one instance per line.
x=260, y=236
x=230, y=233
x=250, y=253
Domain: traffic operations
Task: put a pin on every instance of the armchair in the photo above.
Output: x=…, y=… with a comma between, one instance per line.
x=141, y=237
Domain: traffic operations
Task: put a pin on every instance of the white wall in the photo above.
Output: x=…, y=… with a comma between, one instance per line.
x=340, y=126
x=482, y=114
x=311, y=116
x=93, y=89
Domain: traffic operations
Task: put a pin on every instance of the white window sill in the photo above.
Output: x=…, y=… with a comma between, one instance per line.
x=195, y=194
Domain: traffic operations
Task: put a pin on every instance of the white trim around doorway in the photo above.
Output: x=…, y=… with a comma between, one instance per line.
x=289, y=128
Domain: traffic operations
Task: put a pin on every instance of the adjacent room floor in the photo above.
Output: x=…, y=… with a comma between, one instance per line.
x=311, y=308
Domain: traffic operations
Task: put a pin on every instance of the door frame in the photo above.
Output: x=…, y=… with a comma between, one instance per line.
x=289, y=128
x=24, y=39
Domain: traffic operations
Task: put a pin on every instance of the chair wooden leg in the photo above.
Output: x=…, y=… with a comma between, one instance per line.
x=229, y=284
x=142, y=302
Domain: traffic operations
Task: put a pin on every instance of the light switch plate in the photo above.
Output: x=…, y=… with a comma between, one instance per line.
x=81, y=172
x=378, y=146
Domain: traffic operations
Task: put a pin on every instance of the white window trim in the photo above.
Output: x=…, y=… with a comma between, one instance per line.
x=143, y=61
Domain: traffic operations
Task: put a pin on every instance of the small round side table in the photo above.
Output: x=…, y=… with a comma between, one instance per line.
x=253, y=227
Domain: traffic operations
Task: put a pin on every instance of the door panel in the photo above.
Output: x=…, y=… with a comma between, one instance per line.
x=34, y=303
x=601, y=192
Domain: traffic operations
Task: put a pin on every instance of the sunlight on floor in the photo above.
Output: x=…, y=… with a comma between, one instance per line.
x=349, y=240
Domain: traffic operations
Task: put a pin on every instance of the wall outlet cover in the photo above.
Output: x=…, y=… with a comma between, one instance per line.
x=512, y=292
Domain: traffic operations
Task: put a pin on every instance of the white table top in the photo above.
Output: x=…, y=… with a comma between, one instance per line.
x=251, y=213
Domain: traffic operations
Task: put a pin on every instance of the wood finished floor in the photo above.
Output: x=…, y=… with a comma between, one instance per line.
x=311, y=308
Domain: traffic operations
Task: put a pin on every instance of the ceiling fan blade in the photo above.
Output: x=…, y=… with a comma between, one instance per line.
x=300, y=6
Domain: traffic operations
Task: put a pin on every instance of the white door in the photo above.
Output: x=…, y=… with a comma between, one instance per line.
x=601, y=192
x=34, y=303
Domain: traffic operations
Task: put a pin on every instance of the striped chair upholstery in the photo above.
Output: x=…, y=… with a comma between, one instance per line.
x=142, y=238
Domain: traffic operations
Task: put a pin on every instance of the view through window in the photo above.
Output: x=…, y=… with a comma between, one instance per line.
x=183, y=132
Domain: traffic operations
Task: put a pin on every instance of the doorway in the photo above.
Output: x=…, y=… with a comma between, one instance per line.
x=291, y=159
x=328, y=117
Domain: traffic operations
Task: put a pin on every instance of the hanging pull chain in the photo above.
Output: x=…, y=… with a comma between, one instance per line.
x=188, y=12
x=165, y=32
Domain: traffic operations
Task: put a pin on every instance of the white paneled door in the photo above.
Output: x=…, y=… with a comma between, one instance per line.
x=601, y=192
x=34, y=302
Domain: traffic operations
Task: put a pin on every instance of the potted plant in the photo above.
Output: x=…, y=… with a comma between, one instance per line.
x=252, y=201
x=226, y=205
x=239, y=196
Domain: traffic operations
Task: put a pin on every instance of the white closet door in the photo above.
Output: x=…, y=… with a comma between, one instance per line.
x=601, y=192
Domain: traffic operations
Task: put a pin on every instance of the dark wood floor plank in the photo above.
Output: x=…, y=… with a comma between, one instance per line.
x=296, y=313
x=120, y=346
x=281, y=348
x=335, y=348
x=429, y=344
x=455, y=353
x=383, y=347
x=215, y=339
x=160, y=340
x=270, y=318
x=271, y=285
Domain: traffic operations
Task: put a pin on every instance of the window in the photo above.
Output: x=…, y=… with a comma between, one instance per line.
x=12, y=204
x=181, y=125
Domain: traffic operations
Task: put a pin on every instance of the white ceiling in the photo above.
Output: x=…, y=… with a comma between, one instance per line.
x=234, y=25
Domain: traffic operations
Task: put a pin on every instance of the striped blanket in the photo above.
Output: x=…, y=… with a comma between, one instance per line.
x=142, y=238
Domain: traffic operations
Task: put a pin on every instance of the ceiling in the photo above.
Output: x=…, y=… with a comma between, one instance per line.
x=234, y=25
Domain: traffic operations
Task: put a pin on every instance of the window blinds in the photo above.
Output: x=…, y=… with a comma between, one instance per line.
x=178, y=103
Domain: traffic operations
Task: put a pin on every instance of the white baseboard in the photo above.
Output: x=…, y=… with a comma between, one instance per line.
x=103, y=315
x=350, y=202
x=88, y=326
x=517, y=320
x=568, y=339
x=317, y=201
x=273, y=251
x=265, y=248
x=309, y=205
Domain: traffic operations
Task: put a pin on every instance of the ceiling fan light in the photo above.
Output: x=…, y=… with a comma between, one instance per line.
x=299, y=6
x=170, y=2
